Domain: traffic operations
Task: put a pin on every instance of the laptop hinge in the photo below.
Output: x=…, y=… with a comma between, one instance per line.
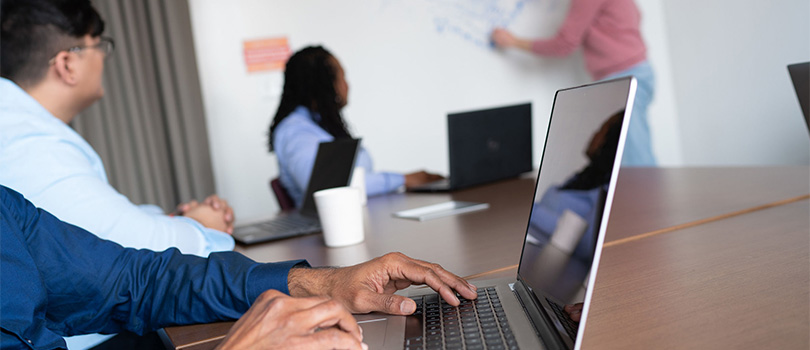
x=542, y=325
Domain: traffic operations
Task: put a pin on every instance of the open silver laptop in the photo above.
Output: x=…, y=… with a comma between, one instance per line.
x=562, y=244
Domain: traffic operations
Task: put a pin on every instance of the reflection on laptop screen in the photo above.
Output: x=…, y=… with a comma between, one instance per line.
x=577, y=165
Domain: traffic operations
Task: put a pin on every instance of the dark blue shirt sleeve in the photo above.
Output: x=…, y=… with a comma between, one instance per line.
x=97, y=286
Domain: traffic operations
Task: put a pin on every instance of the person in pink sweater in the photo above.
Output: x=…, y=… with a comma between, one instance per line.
x=608, y=32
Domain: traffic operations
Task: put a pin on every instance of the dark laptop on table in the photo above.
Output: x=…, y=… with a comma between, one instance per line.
x=333, y=168
x=485, y=146
x=800, y=74
x=527, y=311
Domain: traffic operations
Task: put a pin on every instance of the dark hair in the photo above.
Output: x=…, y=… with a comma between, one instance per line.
x=597, y=173
x=309, y=81
x=33, y=31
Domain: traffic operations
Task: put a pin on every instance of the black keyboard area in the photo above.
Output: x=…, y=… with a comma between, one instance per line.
x=290, y=224
x=569, y=324
x=474, y=325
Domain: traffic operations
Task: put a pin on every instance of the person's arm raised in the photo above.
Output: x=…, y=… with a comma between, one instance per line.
x=504, y=39
x=370, y=286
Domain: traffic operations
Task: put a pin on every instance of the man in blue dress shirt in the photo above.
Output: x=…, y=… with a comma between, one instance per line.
x=58, y=280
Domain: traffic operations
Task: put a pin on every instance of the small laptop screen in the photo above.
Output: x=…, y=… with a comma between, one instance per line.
x=333, y=167
x=800, y=74
x=489, y=145
x=575, y=172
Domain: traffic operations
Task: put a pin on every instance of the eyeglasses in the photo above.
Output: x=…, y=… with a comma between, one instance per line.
x=106, y=45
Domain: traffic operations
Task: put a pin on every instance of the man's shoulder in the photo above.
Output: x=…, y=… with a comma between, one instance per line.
x=35, y=153
x=27, y=136
x=20, y=124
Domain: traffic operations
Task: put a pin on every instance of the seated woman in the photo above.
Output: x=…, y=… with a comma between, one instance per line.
x=315, y=91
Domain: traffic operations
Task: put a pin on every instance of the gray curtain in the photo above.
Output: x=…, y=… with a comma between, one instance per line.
x=149, y=128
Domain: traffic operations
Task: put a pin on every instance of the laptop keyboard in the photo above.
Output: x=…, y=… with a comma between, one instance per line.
x=569, y=324
x=474, y=325
x=289, y=225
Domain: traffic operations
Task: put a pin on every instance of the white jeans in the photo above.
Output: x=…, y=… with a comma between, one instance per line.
x=638, y=147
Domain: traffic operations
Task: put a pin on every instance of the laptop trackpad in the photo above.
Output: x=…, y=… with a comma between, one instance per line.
x=374, y=329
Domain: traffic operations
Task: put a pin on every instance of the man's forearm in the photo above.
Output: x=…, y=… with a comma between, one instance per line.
x=307, y=282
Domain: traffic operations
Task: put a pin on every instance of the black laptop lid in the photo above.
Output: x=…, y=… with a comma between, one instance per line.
x=489, y=145
x=578, y=167
x=333, y=168
x=800, y=74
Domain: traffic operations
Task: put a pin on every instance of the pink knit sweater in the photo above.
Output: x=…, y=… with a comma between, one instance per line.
x=607, y=30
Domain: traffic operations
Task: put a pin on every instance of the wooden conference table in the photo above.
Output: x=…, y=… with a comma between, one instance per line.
x=693, y=257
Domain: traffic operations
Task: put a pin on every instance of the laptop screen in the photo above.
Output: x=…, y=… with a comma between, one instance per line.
x=800, y=74
x=333, y=167
x=577, y=171
x=489, y=145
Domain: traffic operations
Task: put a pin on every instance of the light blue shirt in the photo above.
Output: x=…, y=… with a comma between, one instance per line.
x=56, y=169
x=296, y=141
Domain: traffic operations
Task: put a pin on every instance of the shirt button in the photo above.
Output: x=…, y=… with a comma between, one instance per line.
x=29, y=341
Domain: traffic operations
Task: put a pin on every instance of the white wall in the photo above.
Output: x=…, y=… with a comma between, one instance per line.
x=735, y=99
x=663, y=112
x=404, y=76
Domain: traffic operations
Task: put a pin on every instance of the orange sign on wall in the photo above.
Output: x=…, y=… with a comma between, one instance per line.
x=266, y=54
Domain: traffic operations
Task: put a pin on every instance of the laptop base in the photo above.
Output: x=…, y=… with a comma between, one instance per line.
x=286, y=225
x=442, y=185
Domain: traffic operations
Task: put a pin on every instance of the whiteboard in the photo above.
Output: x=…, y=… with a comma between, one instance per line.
x=408, y=64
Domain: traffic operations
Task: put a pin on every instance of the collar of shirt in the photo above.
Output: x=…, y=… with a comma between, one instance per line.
x=14, y=98
x=301, y=110
x=22, y=115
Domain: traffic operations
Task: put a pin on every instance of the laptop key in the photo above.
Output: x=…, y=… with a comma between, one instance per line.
x=434, y=345
x=490, y=336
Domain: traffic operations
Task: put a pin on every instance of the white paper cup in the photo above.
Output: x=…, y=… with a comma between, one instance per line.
x=341, y=216
x=569, y=230
x=359, y=182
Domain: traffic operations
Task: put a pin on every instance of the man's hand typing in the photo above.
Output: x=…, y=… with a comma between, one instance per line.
x=370, y=286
